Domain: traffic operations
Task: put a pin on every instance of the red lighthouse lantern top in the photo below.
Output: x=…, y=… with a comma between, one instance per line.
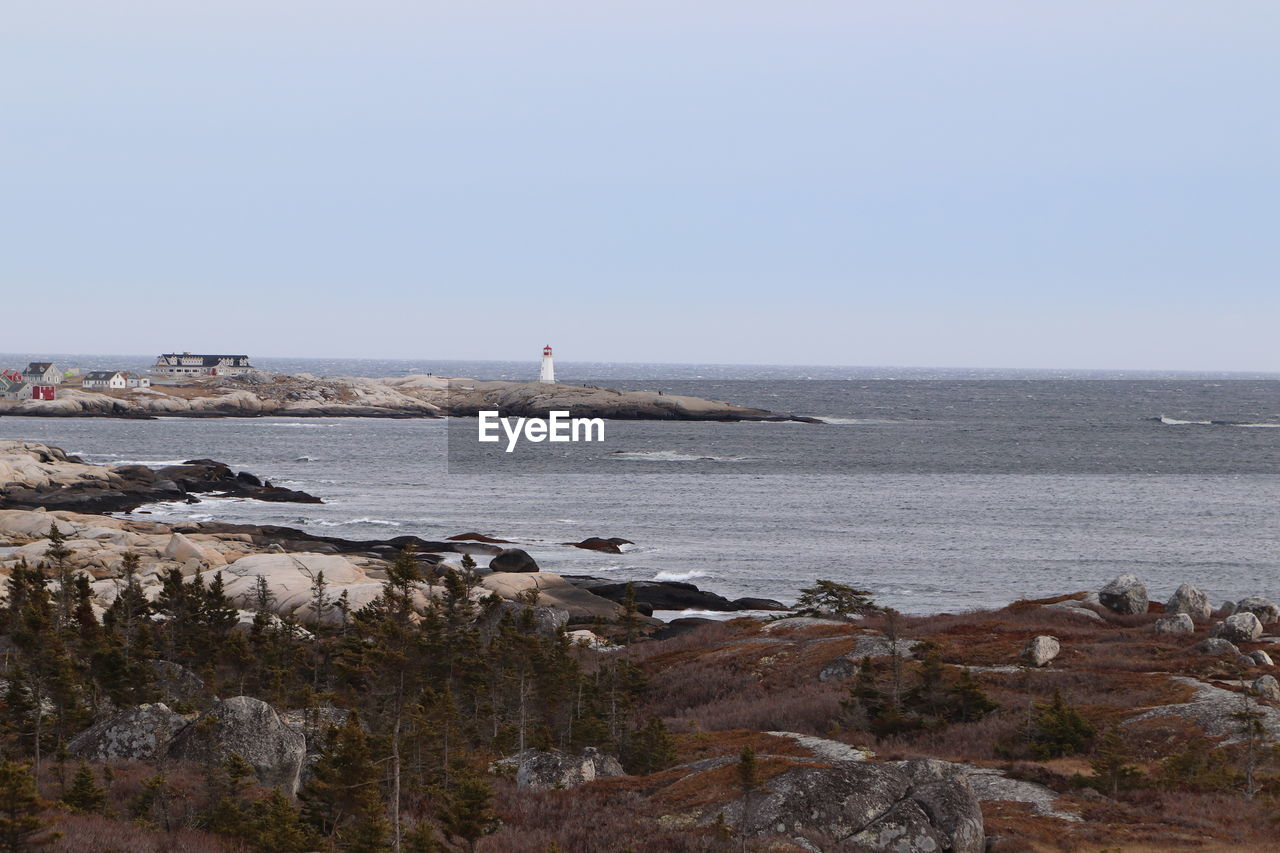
x=546, y=350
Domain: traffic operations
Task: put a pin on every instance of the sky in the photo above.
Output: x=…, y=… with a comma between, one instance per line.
x=979, y=184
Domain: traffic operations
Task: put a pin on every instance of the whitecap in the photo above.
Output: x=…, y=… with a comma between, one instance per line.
x=679, y=576
x=665, y=456
x=1258, y=426
x=1175, y=422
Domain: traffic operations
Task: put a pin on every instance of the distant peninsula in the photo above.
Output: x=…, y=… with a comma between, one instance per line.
x=260, y=394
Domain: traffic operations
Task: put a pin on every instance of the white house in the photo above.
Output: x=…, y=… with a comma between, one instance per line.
x=105, y=380
x=195, y=364
x=42, y=373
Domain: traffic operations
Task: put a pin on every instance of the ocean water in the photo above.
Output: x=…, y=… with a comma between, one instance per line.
x=946, y=490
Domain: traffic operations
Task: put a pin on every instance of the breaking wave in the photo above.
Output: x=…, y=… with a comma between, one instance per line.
x=376, y=522
x=667, y=456
x=1175, y=422
x=679, y=576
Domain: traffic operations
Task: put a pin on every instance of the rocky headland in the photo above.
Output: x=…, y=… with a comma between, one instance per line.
x=416, y=396
x=196, y=668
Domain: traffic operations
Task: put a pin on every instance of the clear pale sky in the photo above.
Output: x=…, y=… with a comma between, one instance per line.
x=1016, y=184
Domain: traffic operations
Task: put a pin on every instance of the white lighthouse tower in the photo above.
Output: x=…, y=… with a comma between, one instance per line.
x=547, y=375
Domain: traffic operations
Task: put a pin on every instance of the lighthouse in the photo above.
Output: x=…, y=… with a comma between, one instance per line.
x=547, y=375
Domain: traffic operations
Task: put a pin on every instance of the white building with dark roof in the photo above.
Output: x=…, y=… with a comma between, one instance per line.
x=197, y=364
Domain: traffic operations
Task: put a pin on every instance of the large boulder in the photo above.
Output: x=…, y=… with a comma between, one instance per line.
x=1260, y=658
x=513, y=560
x=552, y=591
x=1266, y=611
x=290, y=578
x=544, y=771
x=864, y=804
x=1268, y=688
x=1190, y=600
x=1125, y=595
x=1177, y=624
x=1217, y=646
x=251, y=729
x=1041, y=650
x=141, y=733
x=1239, y=628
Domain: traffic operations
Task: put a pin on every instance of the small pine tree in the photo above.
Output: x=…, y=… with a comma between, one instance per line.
x=21, y=826
x=468, y=810
x=1057, y=729
x=748, y=784
x=968, y=701
x=1110, y=763
x=834, y=600
x=85, y=794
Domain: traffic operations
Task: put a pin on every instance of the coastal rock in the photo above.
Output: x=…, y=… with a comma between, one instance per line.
x=1074, y=607
x=1266, y=611
x=251, y=729
x=182, y=549
x=1178, y=624
x=612, y=545
x=657, y=595
x=1260, y=658
x=545, y=621
x=758, y=604
x=1217, y=646
x=1268, y=688
x=141, y=733
x=1225, y=609
x=290, y=579
x=1125, y=595
x=1242, y=627
x=1041, y=650
x=513, y=560
x=1191, y=601
x=554, y=770
x=552, y=591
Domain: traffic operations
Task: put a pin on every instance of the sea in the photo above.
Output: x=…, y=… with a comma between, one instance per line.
x=936, y=490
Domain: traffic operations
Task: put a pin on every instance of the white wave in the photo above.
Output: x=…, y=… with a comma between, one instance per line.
x=852, y=421
x=299, y=425
x=153, y=463
x=1258, y=426
x=666, y=456
x=1176, y=422
x=306, y=459
x=377, y=522
x=679, y=576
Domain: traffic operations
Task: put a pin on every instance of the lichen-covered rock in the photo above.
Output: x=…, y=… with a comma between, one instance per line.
x=174, y=681
x=1267, y=687
x=1190, y=600
x=1241, y=627
x=1041, y=650
x=1124, y=595
x=1260, y=658
x=541, y=771
x=253, y=730
x=1217, y=711
x=1217, y=646
x=863, y=805
x=1266, y=611
x=141, y=733
x=1177, y=624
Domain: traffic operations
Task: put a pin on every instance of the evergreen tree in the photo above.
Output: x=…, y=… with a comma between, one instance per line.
x=21, y=826
x=1110, y=763
x=648, y=749
x=829, y=599
x=1057, y=729
x=85, y=794
x=467, y=813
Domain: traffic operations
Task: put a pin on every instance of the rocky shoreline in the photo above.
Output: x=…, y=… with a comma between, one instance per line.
x=416, y=396
x=1090, y=720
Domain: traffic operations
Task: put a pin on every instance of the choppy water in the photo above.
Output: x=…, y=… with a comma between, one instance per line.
x=937, y=494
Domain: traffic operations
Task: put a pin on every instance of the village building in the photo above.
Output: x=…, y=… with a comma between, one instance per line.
x=113, y=380
x=42, y=373
x=195, y=364
x=13, y=386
